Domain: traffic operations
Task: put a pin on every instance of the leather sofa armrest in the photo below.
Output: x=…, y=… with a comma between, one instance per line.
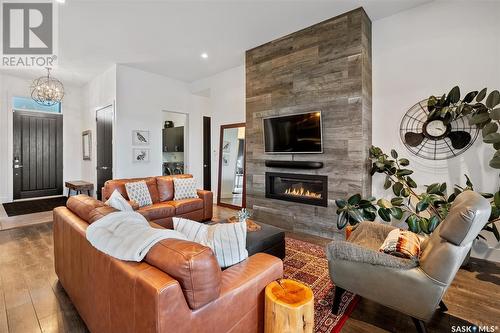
x=193, y=265
x=208, y=201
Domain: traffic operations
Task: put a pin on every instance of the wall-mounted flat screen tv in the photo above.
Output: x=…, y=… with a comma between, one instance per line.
x=293, y=134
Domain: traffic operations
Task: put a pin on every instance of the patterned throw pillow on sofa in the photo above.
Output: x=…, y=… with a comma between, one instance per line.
x=228, y=241
x=139, y=192
x=402, y=243
x=184, y=188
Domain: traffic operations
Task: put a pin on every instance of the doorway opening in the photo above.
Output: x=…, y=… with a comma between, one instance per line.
x=174, y=143
x=104, y=147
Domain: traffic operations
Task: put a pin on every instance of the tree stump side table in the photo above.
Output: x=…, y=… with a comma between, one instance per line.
x=289, y=307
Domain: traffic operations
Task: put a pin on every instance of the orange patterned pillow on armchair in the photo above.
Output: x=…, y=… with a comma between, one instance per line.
x=402, y=243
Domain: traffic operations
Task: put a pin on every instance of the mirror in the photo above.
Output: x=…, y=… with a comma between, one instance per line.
x=231, y=191
x=86, y=144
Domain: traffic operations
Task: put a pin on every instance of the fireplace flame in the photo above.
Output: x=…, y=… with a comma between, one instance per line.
x=302, y=192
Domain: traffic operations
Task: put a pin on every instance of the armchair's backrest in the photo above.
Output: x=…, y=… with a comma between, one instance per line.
x=447, y=247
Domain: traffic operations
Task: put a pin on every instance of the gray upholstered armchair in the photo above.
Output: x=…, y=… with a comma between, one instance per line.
x=411, y=287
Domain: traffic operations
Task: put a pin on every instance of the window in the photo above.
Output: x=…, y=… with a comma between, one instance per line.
x=26, y=103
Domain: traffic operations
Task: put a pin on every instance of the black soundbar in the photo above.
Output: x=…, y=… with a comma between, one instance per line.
x=294, y=164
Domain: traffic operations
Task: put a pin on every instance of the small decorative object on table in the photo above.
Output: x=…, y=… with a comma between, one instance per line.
x=289, y=307
x=244, y=215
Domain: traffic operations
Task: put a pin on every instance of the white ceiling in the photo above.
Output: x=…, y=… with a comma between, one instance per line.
x=167, y=37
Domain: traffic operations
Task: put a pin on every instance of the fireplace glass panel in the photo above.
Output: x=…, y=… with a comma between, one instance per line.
x=308, y=189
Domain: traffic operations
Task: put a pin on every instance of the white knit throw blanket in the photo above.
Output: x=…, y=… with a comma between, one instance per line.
x=126, y=235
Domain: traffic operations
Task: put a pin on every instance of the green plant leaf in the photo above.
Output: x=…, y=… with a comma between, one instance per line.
x=404, y=162
x=370, y=216
x=405, y=192
x=413, y=225
x=433, y=223
x=486, y=195
x=493, y=99
x=397, y=201
x=442, y=188
x=470, y=96
x=384, y=203
x=340, y=203
x=422, y=205
x=354, y=200
x=364, y=203
x=495, y=114
x=396, y=188
x=468, y=182
x=387, y=182
x=489, y=128
x=481, y=95
x=492, y=138
x=495, y=163
x=384, y=214
x=454, y=94
x=342, y=220
x=433, y=188
x=479, y=118
x=397, y=213
x=403, y=172
x=411, y=182
x=496, y=146
x=355, y=216
x=452, y=197
x=424, y=225
x=496, y=199
x=394, y=154
x=495, y=232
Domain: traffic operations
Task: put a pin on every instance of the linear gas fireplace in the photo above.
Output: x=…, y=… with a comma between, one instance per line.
x=307, y=189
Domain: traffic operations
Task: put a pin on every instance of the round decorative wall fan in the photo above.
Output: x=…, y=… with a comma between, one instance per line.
x=435, y=138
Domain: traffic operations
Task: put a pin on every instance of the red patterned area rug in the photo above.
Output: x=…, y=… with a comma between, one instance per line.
x=307, y=263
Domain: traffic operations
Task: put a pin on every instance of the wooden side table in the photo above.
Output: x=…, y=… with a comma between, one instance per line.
x=79, y=186
x=289, y=307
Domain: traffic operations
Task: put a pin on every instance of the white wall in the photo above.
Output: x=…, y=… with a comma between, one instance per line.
x=11, y=86
x=226, y=106
x=428, y=50
x=98, y=93
x=140, y=99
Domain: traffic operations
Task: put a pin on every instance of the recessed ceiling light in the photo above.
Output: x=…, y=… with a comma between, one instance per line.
x=204, y=55
x=61, y=1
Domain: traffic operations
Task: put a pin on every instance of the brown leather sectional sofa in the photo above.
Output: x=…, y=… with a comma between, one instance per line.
x=164, y=206
x=178, y=287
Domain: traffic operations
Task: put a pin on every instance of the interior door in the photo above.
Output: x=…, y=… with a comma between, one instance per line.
x=37, y=154
x=104, y=140
x=207, y=170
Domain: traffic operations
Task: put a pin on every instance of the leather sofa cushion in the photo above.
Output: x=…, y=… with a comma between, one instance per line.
x=193, y=265
x=186, y=205
x=166, y=186
x=119, y=184
x=157, y=211
x=100, y=212
x=82, y=205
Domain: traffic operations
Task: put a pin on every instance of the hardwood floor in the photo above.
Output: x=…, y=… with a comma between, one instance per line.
x=32, y=300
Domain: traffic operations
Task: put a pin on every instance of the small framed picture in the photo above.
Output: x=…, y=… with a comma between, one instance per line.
x=226, y=146
x=225, y=159
x=140, y=154
x=140, y=138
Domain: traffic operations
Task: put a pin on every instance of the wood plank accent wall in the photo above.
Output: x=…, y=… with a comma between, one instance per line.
x=324, y=67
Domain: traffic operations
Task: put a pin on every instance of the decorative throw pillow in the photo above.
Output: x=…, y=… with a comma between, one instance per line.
x=227, y=240
x=117, y=201
x=402, y=243
x=184, y=188
x=139, y=192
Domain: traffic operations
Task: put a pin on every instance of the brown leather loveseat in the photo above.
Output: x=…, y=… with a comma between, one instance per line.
x=164, y=206
x=178, y=287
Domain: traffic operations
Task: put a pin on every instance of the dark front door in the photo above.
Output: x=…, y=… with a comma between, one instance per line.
x=207, y=176
x=104, y=139
x=37, y=154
